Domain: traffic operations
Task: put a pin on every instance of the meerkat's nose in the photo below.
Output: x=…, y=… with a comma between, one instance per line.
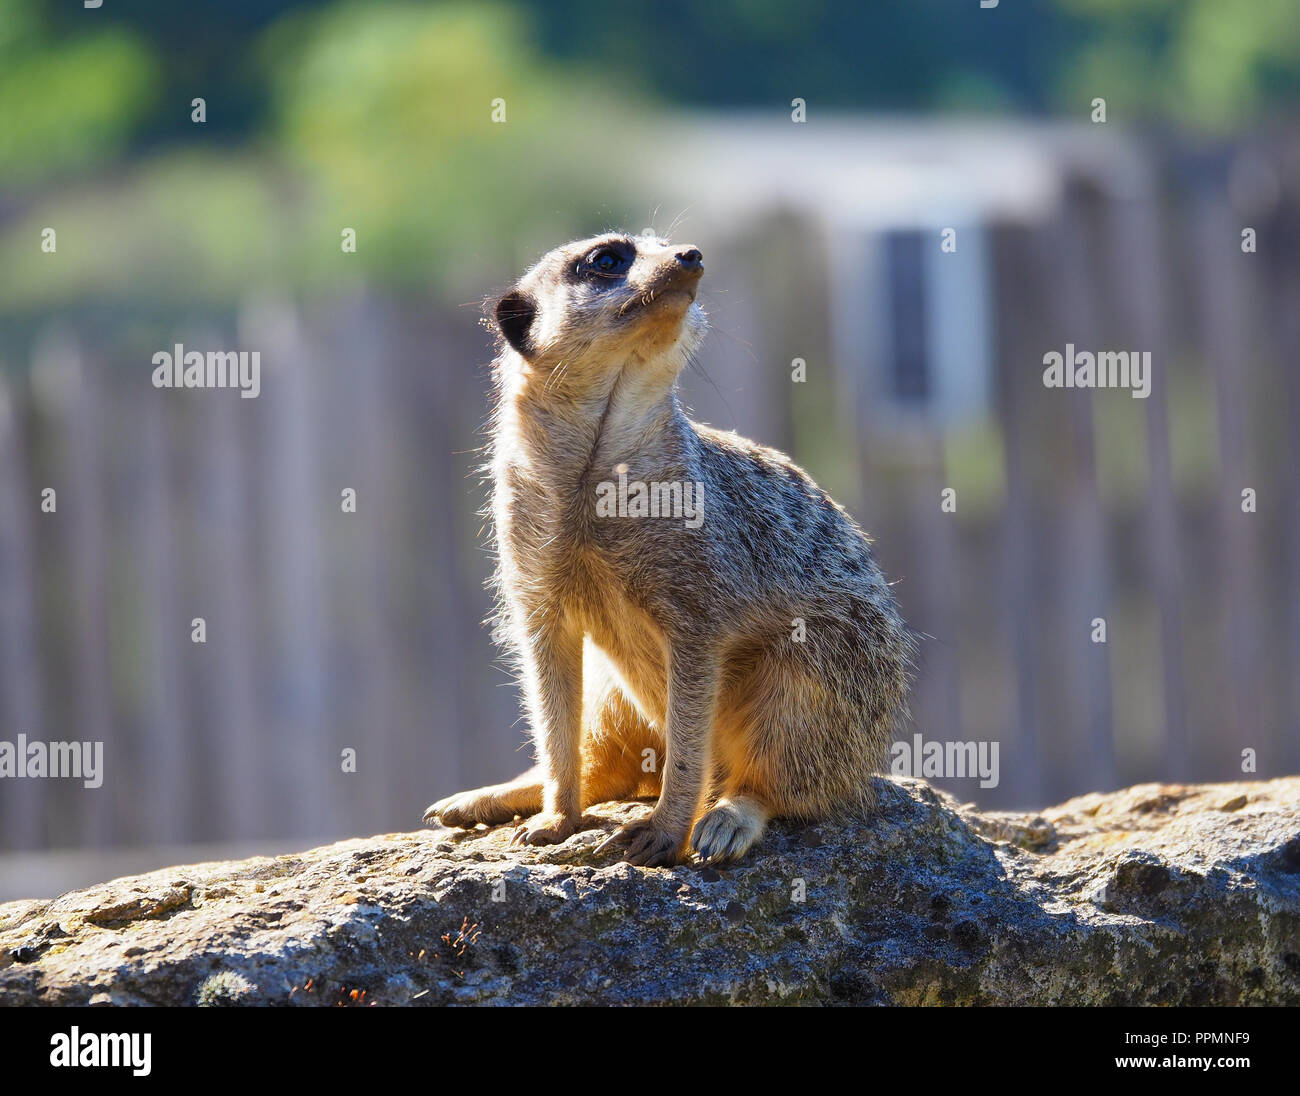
x=690, y=259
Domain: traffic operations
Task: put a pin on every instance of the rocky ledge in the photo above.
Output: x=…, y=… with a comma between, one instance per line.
x=1157, y=894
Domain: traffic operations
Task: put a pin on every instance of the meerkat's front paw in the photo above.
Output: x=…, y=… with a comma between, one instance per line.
x=648, y=844
x=489, y=806
x=547, y=828
x=466, y=810
x=728, y=830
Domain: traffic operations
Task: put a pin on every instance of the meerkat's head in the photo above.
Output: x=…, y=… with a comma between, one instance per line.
x=594, y=307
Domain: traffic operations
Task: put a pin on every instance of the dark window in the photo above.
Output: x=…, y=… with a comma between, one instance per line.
x=909, y=370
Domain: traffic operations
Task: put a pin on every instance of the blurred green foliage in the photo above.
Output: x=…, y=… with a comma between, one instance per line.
x=378, y=119
x=390, y=111
x=376, y=116
x=1202, y=63
x=67, y=103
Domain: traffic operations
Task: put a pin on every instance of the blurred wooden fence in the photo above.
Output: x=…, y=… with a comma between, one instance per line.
x=328, y=630
x=325, y=630
x=1200, y=598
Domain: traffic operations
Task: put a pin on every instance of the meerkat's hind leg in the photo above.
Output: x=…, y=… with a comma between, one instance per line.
x=492, y=805
x=730, y=828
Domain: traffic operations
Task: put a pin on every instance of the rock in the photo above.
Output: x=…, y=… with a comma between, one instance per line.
x=1159, y=894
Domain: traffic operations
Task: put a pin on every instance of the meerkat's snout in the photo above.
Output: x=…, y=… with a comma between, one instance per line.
x=680, y=272
x=687, y=270
x=690, y=264
x=691, y=259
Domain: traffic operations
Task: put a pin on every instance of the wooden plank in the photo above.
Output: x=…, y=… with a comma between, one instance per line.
x=227, y=589
x=165, y=739
x=301, y=755
x=458, y=747
x=1222, y=297
x=1022, y=761
x=1278, y=247
x=1136, y=242
x=22, y=807
x=935, y=605
x=73, y=383
x=1089, y=755
x=366, y=546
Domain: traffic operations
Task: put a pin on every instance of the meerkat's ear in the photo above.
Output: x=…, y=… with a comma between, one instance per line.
x=515, y=313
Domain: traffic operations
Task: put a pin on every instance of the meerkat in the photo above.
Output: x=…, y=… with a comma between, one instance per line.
x=743, y=662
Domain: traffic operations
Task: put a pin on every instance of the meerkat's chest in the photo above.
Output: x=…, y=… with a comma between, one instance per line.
x=550, y=539
x=595, y=535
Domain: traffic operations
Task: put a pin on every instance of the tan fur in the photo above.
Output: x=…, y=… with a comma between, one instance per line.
x=644, y=634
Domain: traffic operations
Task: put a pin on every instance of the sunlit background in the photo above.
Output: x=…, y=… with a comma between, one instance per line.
x=822, y=241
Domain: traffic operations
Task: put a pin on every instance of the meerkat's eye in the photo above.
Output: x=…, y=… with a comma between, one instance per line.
x=608, y=262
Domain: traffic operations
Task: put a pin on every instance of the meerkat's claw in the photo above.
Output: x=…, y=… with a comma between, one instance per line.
x=613, y=839
x=544, y=829
x=648, y=845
